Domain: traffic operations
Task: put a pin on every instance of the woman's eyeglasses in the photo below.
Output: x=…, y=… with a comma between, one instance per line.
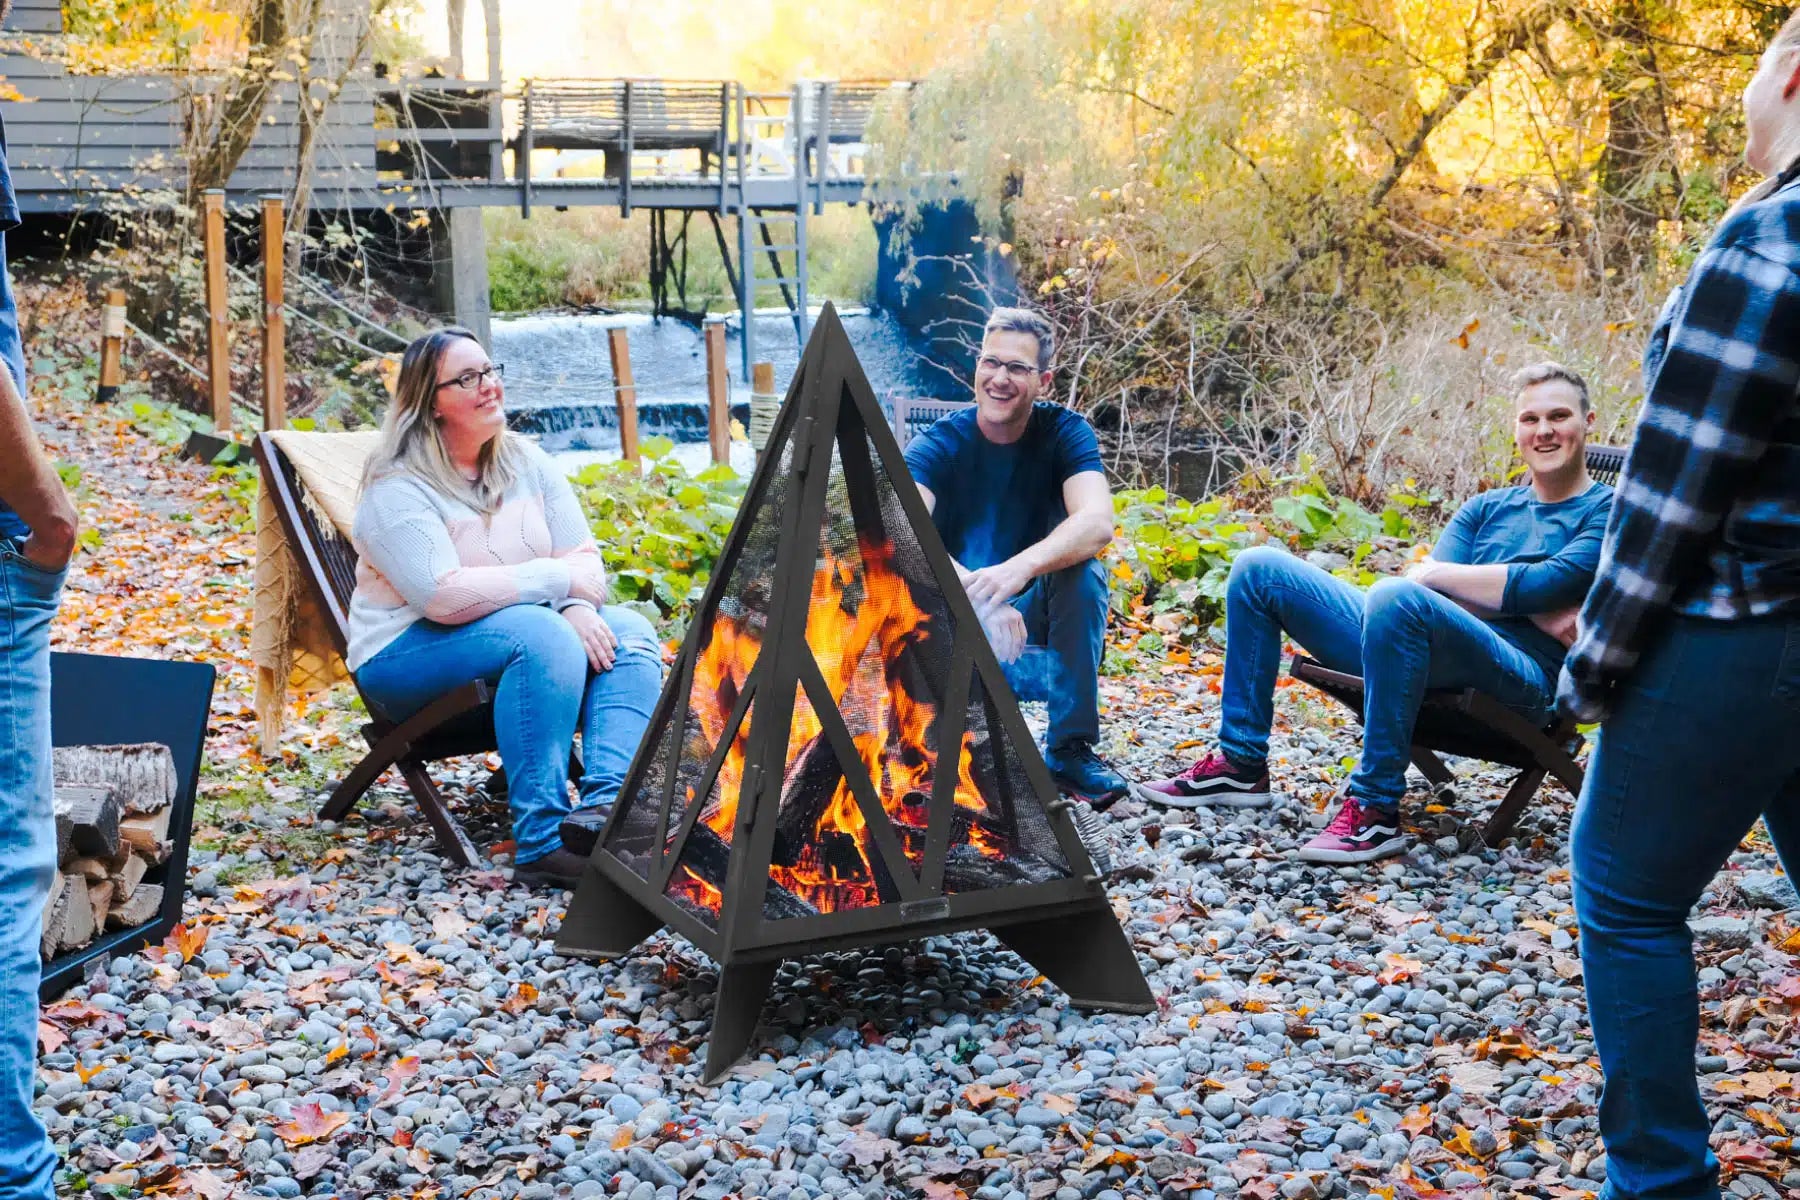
x=469, y=381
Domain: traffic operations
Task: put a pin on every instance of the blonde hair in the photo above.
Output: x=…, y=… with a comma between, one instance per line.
x=412, y=443
x=1786, y=38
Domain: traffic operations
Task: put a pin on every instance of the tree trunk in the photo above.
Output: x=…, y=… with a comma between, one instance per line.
x=454, y=9
x=1636, y=186
x=239, y=106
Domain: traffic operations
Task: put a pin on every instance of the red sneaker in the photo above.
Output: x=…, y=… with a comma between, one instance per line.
x=1359, y=833
x=1211, y=781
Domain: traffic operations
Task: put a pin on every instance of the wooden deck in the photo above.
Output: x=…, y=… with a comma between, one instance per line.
x=78, y=142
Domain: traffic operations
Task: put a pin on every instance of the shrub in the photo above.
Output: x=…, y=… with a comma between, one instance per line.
x=660, y=529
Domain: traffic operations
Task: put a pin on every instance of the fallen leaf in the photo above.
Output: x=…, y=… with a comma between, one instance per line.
x=867, y=1149
x=310, y=1124
x=402, y=1070
x=520, y=1000
x=1059, y=1104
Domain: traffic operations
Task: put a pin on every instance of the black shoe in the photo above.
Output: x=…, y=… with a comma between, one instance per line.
x=581, y=829
x=559, y=868
x=1080, y=771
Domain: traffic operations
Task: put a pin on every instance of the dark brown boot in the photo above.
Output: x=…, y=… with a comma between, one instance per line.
x=559, y=868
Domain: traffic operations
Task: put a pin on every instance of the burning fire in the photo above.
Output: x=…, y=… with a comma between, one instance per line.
x=864, y=629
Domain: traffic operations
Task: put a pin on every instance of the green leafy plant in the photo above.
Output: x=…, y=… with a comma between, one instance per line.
x=660, y=528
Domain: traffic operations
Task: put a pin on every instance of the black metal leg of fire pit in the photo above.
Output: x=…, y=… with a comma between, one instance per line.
x=742, y=989
x=603, y=921
x=1086, y=955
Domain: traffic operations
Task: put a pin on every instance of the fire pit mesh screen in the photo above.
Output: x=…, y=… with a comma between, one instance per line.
x=733, y=637
x=864, y=740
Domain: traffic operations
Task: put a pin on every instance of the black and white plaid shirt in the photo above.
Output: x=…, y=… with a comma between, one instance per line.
x=1707, y=518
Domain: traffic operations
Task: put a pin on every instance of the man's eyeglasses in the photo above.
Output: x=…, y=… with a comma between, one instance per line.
x=1015, y=370
x=468, y=381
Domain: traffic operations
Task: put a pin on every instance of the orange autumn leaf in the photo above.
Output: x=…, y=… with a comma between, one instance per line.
x=395, y=1082
x=1399, y=969
x=519, y=1001
x=622, y=1139
x=310, y=1124
x=1059, y=1104
x=1417, y=1121
x=597, y=1072
x=979, y=1095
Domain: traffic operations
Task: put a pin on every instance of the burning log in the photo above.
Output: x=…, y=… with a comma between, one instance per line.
x=708, y=856
x=811, y=784
x=113, y=806
x=967, y=869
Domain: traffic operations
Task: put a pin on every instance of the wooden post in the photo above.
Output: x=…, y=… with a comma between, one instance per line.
x=764, y=404
x=718, y=393
x=112, y=343
x=625, y=392
x=274, y=348
x=218, y=328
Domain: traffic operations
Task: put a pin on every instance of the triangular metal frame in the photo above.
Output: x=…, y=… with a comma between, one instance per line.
x=1065, y=926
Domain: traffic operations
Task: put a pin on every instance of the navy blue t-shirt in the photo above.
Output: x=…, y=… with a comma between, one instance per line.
x=12, y=354
x=993, y=501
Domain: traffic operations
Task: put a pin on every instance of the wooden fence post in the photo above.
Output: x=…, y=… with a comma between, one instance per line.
x=718, y=393
x=625, y=392
x=218, y=328
x=764, y=405
x=274, y=347
x=112, y=344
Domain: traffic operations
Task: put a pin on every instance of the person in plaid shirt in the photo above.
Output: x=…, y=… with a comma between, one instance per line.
x=1688, y=651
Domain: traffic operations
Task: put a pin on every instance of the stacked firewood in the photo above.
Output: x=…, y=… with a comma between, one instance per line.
x=113, y=805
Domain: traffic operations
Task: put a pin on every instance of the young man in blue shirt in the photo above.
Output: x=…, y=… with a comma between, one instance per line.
x=1493, y=608
x=1016, y=489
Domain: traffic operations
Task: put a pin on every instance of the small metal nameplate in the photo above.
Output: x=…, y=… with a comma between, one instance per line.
x=925, y=910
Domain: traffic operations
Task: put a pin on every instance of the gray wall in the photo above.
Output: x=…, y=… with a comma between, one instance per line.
x=77, y=135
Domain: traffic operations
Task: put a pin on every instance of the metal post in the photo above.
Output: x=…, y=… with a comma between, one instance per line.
x=522, y=155
x=274, y=347
x=112, y=344
x=625, y=177
x=625, y=392
x=801, y=317
x=218, y=327
x=746, y=268
x=718, y=393
x=724, y=137
x=822, y=140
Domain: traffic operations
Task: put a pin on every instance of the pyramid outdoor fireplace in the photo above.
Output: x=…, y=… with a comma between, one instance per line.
x=837, y=759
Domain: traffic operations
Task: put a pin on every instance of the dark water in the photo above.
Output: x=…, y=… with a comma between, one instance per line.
x=559, y=381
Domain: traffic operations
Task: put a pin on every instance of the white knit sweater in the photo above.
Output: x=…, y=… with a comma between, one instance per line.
x=426, y=556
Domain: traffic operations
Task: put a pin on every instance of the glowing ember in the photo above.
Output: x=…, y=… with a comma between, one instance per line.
x=865, y=630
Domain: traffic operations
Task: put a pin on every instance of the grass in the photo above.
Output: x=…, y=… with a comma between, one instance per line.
x=596, y=257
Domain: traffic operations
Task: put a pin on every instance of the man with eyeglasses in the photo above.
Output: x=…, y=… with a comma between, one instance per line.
x=1016, y=489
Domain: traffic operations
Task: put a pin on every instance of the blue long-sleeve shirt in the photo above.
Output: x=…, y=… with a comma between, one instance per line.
x=1551, y=552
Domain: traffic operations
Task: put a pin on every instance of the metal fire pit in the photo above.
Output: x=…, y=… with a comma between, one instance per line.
x=788, y=797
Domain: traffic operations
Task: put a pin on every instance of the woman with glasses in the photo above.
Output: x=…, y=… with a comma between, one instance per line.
x=475, y=562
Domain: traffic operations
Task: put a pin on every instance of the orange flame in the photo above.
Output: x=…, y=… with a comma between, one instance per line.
x=861, y=621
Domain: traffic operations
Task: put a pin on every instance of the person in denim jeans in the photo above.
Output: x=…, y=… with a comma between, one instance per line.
x=1689, y=654
x=1490, y=609
x=37, y=535
x=476, y=562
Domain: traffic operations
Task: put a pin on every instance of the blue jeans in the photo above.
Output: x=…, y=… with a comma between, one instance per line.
x=544, y=686
x=1065, y=632
x=1701, y=743
x=28, y=598
x=1400, y=636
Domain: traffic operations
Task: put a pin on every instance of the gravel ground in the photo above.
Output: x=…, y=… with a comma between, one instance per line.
x=382, y=1025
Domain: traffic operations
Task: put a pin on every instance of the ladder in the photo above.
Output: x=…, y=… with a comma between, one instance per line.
x=771, y=249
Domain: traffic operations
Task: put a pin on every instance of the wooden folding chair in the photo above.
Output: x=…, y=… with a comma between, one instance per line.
x=459, y=723
x=1471, y=724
